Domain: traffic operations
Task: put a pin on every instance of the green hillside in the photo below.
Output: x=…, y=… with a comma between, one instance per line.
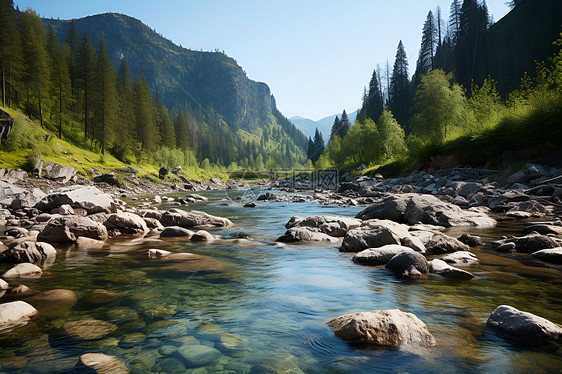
x=210, y=86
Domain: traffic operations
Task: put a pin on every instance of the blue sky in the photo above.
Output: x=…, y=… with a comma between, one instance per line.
x=316, y=55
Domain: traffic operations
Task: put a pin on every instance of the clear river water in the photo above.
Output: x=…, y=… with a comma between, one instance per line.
x=265, y=307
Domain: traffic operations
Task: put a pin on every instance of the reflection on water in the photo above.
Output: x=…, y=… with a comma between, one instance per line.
x=251, y=307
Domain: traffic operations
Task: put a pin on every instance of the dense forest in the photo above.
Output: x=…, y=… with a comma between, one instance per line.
x=452, y=96
x=74, y=85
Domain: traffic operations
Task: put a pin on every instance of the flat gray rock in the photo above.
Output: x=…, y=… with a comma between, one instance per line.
x=552, y=255
x=379, y=256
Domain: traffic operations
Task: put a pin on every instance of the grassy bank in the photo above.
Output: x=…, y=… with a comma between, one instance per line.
x=28, y=139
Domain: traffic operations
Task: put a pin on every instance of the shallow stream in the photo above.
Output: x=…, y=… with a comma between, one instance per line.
x=265, y=307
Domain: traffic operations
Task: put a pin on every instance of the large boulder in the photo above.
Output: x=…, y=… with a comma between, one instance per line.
x=100, y=363
x=409, y=264
x=523, y=326
x=126, y=223
x=59, y=173
x=376, y=233
x=305, y=234
x=176, y=231
x=441, y=243
x=379, y=256
x=460, y=258
x=15, y=313
x=414, y=208
x=391, y=328
x=331, y=225
x=12, y=175
x=194, y=218
x=28, y=252
x=65, y=229
x=24, y=270
x=552, y=255
x=53, y=302
x=444, y=269
x=16, y=197
x=89, y=198
x=109, y=178
x=528, y=243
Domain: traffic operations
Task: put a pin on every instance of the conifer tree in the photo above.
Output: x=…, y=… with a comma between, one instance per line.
x=105, y=104
x=60, y=80
x=87, y=72
x=10, y=49
x=399, y=86
x=125, y=112
x=181, y=131
x=318, y=146
x=373, y=103
x=72, y=39
x=336, y=128
x=147, y=132
x=165, y=125
x=455, y=21
x=345, y=125
x=36, y=61
x=428, y=45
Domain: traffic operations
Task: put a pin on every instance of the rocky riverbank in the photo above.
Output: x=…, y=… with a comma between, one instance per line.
x=401, y=230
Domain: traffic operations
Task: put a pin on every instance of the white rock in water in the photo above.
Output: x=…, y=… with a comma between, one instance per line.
x=15, y=312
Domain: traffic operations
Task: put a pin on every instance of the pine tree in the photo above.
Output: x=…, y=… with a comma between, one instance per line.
x=165, y=125
x=455, y=21
x=310, y=148
x=105, y=104
x=470, y=49
x=10, y=49
x=60, y=80
x=72, y=39
x=318, y=146
x=399, y=87
x=373, y=103
x=428, y=45
x=147, y=132
x=36, y=62
x=125, y=113
x=87, y=73
x=345, y=125
x=336, y=128
x=181, y=131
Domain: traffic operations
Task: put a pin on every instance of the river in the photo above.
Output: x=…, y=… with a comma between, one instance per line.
x=265, y=307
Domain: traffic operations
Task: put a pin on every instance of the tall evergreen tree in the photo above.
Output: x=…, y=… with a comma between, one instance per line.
x=428, y=45
x=73, y=41
x=336, y=128
x=373, y=103
x=87, y=72
x=36, y=62
x=345, y=125
x=60, y=80
x=147, y=132
x=181, y=131
x=470, y=50
x=165, y=125
x=105, y=107
x=455, y=21
x=316, y=146
x=399, y=87
x=10, y=49
x=125, y=114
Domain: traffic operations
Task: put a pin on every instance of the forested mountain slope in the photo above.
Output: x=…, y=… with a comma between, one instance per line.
x=229, y=108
